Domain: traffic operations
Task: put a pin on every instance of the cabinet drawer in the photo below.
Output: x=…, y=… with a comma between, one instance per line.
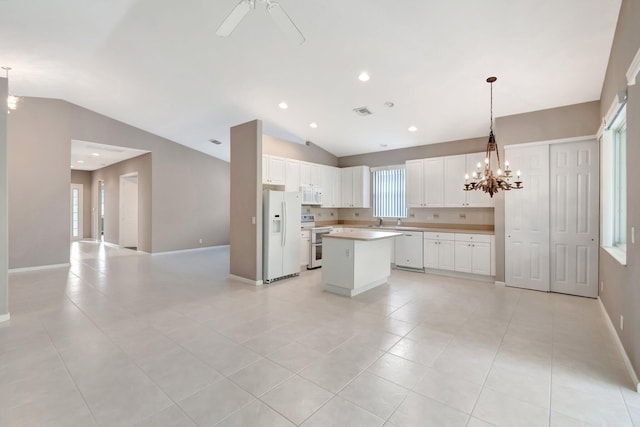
x=469, y=237
x=439, y=236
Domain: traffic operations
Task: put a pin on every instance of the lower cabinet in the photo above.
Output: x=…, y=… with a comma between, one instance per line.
x=473, y=253
x=409, y=249
x=305, y=247
x=439, y=249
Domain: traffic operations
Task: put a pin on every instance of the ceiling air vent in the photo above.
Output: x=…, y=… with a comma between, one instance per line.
x=215, y=141
x=362, y=111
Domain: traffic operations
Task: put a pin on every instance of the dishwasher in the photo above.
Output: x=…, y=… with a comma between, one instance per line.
x=409, y=248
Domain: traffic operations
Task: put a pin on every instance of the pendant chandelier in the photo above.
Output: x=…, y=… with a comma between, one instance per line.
x=485, y=179
x=12, y=100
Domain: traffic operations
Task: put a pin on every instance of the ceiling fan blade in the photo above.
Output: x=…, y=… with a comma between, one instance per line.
x=233, y=19
x=284, y=22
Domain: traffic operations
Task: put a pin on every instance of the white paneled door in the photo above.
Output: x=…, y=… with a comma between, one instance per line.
x=574, y=220
x=527, y=220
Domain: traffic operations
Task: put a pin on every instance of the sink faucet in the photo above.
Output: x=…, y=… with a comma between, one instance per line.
x=379, y=222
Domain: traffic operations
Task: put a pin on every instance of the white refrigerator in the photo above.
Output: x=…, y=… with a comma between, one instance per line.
x=281, y=234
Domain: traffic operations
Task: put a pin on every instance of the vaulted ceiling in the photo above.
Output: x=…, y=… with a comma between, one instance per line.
x=158, y=65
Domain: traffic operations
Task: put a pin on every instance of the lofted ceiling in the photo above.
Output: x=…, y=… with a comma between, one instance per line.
x=158, y=65
x=90, y=156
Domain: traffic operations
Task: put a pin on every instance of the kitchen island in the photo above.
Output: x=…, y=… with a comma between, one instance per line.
x=356, y=261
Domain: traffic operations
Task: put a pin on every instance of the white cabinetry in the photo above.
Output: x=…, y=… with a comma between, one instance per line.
x=310, y=174
x=473, y=253
x=292, y=175
x=455, y=169
x=425, y=182
x=331, y=190
x=409, y=248
x=439, y=249
x=305, y=247
x=273, y=170
x=356, y=187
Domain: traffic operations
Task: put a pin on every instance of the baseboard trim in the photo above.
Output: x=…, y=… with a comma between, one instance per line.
x=5, y=317
x=457, y=274
x=625, y=357
x=245, y=280
x=179, y=251
x=503, y=284
x=38, y=267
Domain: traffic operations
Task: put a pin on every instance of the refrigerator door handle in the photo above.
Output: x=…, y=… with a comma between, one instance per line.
x=284, y=223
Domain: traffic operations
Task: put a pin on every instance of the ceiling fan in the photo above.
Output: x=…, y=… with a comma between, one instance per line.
x=275, y=10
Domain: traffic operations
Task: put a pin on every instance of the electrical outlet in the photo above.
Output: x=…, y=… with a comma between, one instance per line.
x=601, y=286
x=412, y=215
x=200, y=241
x=253, y=220
x=621, y=322
x=331, y=213
x=463, y=216
x=356, y=214
x=436, y=216
x=319, y=214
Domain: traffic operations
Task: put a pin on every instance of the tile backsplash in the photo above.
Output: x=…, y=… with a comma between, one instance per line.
x=477, y=216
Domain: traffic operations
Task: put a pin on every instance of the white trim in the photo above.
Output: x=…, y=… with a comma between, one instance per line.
x=388, y=167
x=612, y=112
x=601, y=130
x=617, y=254
x=38, y=267
x=452, y=273
x=245, y=280
x=553, y=141
x=179, y=251
x=634, y=69
x=623, y=353
x=502, y=284
x=5, y=317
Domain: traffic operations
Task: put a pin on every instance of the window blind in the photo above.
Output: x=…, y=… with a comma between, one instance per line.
x=389, y=193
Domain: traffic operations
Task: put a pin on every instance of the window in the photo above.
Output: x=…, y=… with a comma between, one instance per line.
x=389, y=192
x=614, y=184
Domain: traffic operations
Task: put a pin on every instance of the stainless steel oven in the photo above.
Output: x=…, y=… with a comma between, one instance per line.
x=316, y=246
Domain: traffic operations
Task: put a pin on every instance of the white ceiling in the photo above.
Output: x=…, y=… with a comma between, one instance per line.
x=158, y=65
x=89, y=156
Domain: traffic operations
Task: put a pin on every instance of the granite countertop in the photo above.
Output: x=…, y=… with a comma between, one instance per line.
x=364, y=234
x=465, y=230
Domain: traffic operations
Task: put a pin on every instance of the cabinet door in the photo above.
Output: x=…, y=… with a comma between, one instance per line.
x=346, y=176
x=414, y=183
x=431, y=253
x=481, y=258
x=361, y=187
x=327, y=186
x=477, y=198
x=463, y=257
x=276, y=170
x=265, y=169
x=305, y=174
x=292, y=175
x=446, y=255
x=433, y=184
x=315, y=175
x=337, y=187
x=454, y=171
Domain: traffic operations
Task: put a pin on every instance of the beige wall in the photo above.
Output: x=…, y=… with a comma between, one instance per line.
x=111, y=177
x=4, y=210
x=545, y=125
x=84, y=178
x=621, y=294
x=39, y=225
x=306, y=152
x=190, y=190
x=399, y=156
x=246, y=201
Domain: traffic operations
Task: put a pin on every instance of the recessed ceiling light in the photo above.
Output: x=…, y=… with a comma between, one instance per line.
x=412, y=129
x=364, y=77
x=72, y=166
x=384, y=145
x=313, y=125
x=80, y=161
x=283, y=105
x=95, y=154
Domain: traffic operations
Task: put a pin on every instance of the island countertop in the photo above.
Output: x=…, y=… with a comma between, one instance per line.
x=364, y=234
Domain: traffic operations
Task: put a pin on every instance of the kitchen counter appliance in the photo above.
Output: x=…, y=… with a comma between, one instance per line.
x=316, y=246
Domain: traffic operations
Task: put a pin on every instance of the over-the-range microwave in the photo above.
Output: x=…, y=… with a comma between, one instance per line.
x=311, y=196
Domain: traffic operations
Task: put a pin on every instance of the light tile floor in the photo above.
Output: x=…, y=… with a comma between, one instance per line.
x=128, y=339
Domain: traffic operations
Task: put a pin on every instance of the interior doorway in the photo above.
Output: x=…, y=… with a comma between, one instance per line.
x=76, y=212
x=129, y=210
x=100, y=219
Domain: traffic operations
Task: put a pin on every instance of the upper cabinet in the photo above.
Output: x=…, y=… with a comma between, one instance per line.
x=424, y=181
x=292, y=175
x=331, y=189
x=439, y=182
x=273, y=170
x=310, y=174
x=356, y=187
